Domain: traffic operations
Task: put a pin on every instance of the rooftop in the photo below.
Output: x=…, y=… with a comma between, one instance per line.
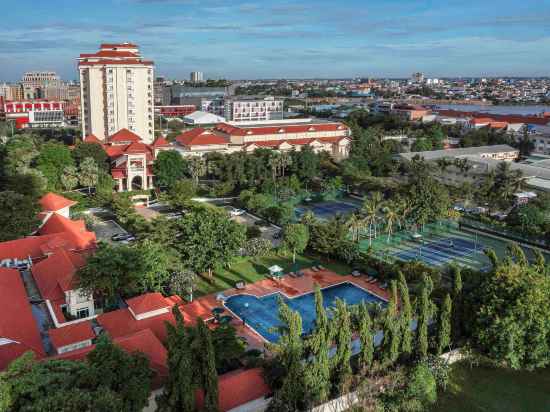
x=466, y=151
x=74, y=333
x=52, y=202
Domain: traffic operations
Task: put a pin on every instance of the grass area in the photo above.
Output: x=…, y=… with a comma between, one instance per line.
x=495, y=390
x=251, y=270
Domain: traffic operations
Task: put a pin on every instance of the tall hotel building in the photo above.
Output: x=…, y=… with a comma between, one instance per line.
x=116, y=86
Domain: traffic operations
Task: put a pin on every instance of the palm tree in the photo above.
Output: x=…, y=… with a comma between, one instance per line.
x=370, y=210
x=391, y=217
x=507, y=181
x=355, y=223
x=197, y=168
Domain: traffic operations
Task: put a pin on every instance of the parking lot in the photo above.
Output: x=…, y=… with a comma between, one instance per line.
x=268, y=232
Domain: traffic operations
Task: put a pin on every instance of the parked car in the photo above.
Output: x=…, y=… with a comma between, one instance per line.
x=174, y=215
x=237, y=212
x=119, y=237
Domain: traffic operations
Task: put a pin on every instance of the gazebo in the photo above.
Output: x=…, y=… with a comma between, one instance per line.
x=276, y=271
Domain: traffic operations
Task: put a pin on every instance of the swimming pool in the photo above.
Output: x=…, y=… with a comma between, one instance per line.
x=262, y=314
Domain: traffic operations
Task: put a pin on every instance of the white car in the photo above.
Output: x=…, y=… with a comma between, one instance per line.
x=236, y=212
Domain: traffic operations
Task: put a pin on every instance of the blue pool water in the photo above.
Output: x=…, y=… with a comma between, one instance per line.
x=262, y=314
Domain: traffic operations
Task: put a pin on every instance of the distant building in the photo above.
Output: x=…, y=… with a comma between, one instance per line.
x=196, y=77
x=253, y=110
x=195, y=95
x=35, y=84
x=117, y=92
x=163, y=96
x=202, y=118
x=35, y=113
x=417, y=77
x=175, y=110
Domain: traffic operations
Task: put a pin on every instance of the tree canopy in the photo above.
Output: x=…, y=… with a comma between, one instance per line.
x=18, y=215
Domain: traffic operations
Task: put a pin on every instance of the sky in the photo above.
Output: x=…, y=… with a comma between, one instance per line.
x=243, y=39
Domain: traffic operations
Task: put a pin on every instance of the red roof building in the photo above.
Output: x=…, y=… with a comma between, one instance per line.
x=54, y=203
x=239, y=388
x=151, y=315
x=143, y=341
x=72, y=337
x=19, y=330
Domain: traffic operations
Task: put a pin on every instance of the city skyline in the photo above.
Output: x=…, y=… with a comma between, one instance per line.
x=281, y=39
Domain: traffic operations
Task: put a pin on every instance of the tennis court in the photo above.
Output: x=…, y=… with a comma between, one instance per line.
x=328, y=209
x=441, y=251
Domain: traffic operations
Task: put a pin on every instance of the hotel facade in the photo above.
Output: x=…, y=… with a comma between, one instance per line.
x=117, y=92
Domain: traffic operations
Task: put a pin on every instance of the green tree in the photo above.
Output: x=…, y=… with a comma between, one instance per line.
x=182, y=282
x=257, y=247
x=457, y=303
x=366, y=338
x=392, y=330
x=423, y=320
x=52, y=160
x=69, y=178
x=20, y=153
x=127, y=375
x=60, y=385
x=317, y=372
x=207, y=367
x=208, y=238
x=95, y=151
x=444, y=326
x=289, y=354
x=112, y=270
x=511, y=306
x=179, y=389
x=406, y=316
x=295, y=238
x=228, y=348
x=18, y=215
x=89, y=173
x=158, y=261
x=197, y=168
x=341, y=367
x=169, y=167
x=180, y=193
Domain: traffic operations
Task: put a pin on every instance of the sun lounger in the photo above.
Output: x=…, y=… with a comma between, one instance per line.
x=356, y=273
x=240, y=285
x=315, y=268
x=374, y=280
x=321, y=267
x=292, y=274
x=384, y=285
x=300, y=273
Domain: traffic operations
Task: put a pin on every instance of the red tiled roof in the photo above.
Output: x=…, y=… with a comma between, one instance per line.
x=161, y=142
x=75, y=333
x=200, y=137
x=92, y=139
x=143, y=341
x=118, y=45
x=16, y=320
x=75, y=231
x=122, y=62
x=55, y=274
x=285, y=128
x=33, y=246
x=137, y=147
x=512, y=119
x=147, y=303
x=121, y=323
x=110, y=53
x=237, y=388
x=124, y=135
x=52, y=202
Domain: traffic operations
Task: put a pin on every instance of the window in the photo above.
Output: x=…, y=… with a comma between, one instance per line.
x=82, y=313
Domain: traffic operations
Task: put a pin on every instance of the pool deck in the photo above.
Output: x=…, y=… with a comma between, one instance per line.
x=289, y=286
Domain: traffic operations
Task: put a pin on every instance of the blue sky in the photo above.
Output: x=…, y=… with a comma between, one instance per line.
x=240, y=39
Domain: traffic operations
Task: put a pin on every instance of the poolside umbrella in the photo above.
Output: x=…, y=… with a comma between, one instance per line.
x=224, y=320
x=276, y=271
x=218, y=311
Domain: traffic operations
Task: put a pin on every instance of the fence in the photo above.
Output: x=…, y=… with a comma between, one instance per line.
x=503, y=232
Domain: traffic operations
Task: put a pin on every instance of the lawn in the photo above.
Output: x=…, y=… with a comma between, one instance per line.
x=495, y=390
x=251, y=270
